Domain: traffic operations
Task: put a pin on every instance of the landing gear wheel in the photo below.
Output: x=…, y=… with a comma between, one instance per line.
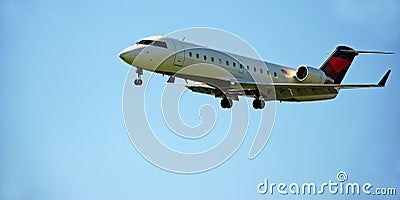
x=226, y=103
x=138, y=82
x=262, y=104
x=258, y=104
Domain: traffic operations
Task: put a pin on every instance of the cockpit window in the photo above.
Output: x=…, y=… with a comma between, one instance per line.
x=145, y=42
x=153, y=43
x=159, y=44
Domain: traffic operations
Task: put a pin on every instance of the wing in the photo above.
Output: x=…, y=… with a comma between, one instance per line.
x=280, y=91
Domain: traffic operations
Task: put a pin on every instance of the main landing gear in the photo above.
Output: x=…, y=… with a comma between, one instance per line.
x=139, y=80
x=258, y=103
x=226, y=103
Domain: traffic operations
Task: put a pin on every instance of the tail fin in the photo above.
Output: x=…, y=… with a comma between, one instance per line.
x=338, y=63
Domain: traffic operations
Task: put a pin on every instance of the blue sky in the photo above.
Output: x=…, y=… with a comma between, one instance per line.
x=62, y=133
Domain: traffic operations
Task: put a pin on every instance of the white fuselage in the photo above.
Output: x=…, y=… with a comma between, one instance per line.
x=174, y=57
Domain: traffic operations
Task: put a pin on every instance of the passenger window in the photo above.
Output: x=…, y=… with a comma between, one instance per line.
x=268, y=72
x=248, y=68
x=227, y=63
x=234, y=64
x=190, y=54
x=205, y=57
x=220, y=60
x=241, y=66
x=197, y=56
x=212, y=59
x=275, y=74
x=255, y=69
x=261, y=71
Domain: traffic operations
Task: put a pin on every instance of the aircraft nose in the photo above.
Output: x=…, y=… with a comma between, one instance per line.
x=129, y=54
x=125, y=57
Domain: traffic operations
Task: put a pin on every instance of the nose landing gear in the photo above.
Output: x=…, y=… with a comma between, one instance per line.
x=139, y=80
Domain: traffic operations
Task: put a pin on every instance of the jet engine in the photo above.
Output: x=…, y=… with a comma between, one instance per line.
x=308, y=74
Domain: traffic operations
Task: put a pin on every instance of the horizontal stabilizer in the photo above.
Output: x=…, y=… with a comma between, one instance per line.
x=373, y=52
x=360, y=52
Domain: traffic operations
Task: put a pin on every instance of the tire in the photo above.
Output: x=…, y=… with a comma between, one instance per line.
x=226, y=103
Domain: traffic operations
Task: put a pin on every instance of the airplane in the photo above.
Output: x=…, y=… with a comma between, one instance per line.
x=228, y=76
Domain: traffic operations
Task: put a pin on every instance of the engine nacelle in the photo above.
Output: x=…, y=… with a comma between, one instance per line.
x=308, y=74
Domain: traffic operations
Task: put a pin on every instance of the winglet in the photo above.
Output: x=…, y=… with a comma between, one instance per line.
x=382, y=82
